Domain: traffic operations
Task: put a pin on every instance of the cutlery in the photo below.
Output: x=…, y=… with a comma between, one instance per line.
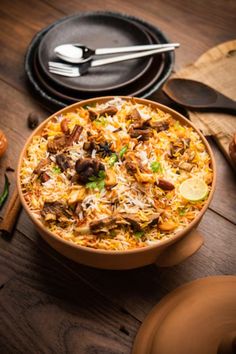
x=78, y=70
x=198, y=96
x=79, y=53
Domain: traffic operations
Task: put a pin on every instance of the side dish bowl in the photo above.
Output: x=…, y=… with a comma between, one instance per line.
x=166, y=252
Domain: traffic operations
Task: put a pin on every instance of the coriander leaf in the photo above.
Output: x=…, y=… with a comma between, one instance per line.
x=101, y=185
x=182, y=211
x=113, y=159
x=138, y=234
x=123, y=151
x=56, y=169
x=101, y=174
x=5, y=192
x=91, y=185
x=156, y=166
x=97, y=181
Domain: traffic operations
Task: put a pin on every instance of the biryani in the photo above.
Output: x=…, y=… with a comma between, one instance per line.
x=109, y=176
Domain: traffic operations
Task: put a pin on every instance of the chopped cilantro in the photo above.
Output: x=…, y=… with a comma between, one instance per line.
x=97, y=181
x=113, y=159
x=5, y=192
x=123, y=151
x=156, y=167
x=56, y=169
x=138, y=234
x=182, y=211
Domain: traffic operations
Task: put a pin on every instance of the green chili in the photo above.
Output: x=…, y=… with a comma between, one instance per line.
x=5, y=192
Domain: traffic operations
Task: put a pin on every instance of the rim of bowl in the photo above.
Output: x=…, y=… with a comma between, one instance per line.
x=168, y=241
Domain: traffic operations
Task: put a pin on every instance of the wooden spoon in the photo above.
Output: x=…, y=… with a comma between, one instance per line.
x=198, y=96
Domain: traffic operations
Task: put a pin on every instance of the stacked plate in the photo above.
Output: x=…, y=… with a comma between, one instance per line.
x=137, y=77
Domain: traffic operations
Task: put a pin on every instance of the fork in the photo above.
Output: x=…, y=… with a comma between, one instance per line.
x=78, y=70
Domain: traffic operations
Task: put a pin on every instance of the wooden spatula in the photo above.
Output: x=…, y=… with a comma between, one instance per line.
x=198, y=96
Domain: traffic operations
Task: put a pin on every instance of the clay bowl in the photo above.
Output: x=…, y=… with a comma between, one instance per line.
x=166, y=253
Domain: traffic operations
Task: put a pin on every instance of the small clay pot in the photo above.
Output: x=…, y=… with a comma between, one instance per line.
x=165, y=253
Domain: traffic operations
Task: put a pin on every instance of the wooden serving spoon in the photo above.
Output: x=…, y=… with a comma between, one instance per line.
x=198, y=96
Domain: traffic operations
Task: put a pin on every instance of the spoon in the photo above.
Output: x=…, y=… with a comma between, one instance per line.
x=69, y=70
x=79, y=53
x=198, y=96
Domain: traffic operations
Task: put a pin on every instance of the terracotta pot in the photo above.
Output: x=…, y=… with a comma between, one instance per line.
x=166, y=253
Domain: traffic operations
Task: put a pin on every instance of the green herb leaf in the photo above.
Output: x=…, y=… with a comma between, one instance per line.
x=5, y=192
x=101, y=174
x=56, y=169
x=123, y=151
x=113, y=159
x=156, y=167
x=138, y=234
x=182, y=211
x=97, y=181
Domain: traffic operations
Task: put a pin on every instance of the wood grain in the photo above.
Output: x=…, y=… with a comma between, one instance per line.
x=44, y=308
x=138, y=290
x=49, y=304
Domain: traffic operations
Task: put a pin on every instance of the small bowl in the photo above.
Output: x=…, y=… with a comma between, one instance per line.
x=167, y=252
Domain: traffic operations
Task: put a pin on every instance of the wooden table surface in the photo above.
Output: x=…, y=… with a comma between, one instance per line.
x=49, y=304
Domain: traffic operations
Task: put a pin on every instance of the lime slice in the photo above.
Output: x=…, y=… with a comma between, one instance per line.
x=193, y=189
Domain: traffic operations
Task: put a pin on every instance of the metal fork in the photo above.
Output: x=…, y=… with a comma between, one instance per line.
x=78, y=70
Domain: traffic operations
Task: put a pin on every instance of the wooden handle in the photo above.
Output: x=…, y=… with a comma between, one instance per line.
x=11, y=213
x=180, y=250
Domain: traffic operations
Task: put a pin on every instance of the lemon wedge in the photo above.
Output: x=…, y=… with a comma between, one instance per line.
x=193, y=189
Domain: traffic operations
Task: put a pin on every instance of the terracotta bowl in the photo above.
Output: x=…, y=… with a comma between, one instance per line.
x=165, y=253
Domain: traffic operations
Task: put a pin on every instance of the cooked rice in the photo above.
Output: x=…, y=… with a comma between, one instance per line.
x=128, y=195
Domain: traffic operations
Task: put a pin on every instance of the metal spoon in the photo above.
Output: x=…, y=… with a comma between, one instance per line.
x=79, y=53
x=198, y=96
x=69, y=70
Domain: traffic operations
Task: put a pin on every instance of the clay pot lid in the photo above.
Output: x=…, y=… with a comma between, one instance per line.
x=197, y=318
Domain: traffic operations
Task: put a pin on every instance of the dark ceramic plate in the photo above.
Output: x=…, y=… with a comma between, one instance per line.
x=132, y=89
x=96, y=30
x=56, y=100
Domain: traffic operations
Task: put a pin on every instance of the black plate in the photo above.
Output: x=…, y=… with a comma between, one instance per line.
x=132, y=89
x=96, y=30
x=56, y=102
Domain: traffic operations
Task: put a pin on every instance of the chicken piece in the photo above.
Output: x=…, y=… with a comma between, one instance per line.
x=63, y=162
x=186, y=166
x=131, y=167
x=144, y=177
x=133, y=221
x=110, y=180
x=55, y=211
x=160, y=125
x=141, y=134
x=62, y=141
x=110, y=111
x=105, y=225
x=58, y=143
x=77, y=194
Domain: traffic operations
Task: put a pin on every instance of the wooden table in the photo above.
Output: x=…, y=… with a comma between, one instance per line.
x=47, y=303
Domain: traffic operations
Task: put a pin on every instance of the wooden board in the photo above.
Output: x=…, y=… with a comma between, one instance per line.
x=216, y=68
